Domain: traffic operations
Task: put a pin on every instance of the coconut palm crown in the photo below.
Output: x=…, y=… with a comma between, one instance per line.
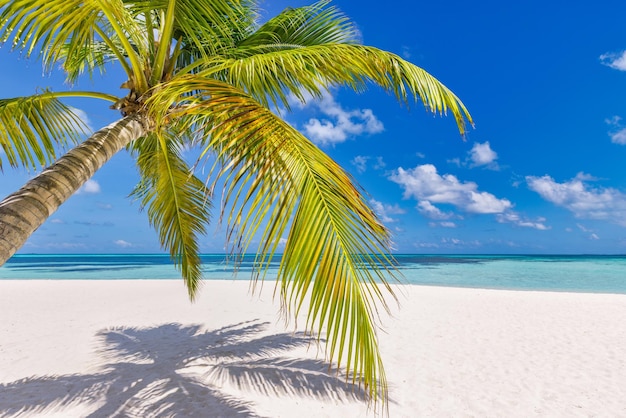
x=205, y=73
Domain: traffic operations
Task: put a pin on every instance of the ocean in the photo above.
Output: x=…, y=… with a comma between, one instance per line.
x=592, y=274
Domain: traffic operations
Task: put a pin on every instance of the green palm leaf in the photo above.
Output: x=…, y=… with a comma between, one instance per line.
x=294, y=28
x=34, y=24
x=271, y=76
x=207, y=28
x=177, y=202
x=78, y=60
x=32, y=127
x=209, y=25
x=64, y=29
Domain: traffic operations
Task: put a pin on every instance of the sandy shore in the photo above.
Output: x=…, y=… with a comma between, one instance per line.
x=140, y=349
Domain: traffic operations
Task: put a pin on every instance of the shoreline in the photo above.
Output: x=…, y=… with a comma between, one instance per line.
x=563, y=273
x=447, y=351
x=394, y=284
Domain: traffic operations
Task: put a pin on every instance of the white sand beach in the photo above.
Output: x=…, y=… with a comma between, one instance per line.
x=141, y=349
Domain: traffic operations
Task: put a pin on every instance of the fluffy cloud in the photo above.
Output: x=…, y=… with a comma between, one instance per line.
x=66, y=245
x=123, y=244
x=516, y=219
x=384, y=211
x=431, y=211
x=592, y=235
x=618, y=135
x=406, y=52
x=427, y=186
x=339, y=124
x=107, y=224
x=90, y=187
x=482, y=155
x=379, y=164
x=581, y=199
x=423, y=183
x=613, y=60
x=360, y=162
x=447, y=224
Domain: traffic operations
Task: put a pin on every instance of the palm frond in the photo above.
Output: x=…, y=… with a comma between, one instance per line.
x=177, y=202
x=65, y=29
x=316, y=24
x=33, y=25
x=209, y=26
x=31, y=127
x=335, y=253
x=270, y=77
x=78, y=60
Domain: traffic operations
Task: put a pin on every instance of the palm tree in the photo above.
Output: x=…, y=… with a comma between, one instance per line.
x=205, y=73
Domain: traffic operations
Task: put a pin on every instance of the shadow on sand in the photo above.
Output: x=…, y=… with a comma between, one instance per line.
x=179, y=371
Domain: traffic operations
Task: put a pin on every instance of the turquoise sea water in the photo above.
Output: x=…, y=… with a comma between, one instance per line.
x=606, y=274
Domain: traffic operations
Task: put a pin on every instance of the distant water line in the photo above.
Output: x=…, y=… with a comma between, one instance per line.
x=595, y=274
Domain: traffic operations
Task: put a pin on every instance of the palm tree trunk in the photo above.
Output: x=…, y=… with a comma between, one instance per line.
x=22, y=212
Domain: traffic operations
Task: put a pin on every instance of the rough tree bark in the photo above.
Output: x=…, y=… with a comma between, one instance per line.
x=22, y=212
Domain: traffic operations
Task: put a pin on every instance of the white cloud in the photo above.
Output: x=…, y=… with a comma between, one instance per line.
x=455, y=242
x=324, y=132
x=618, y=136
x=69, y=246
x=615, y=120
x=592, y=235
x=482, y=155
x=380, y=163
x=423, y=245
x=581, y=199
x=406, y=52
x=431, y=211
x=384, y=211
x=360, y=162
x=340, y=123
x=445, y=224
x=425, y=184
x=614, y=60
x=91, y=186
x=516, y=219
x=455, y=161
x=447, y=243
x=484, y=202
x=123, y=244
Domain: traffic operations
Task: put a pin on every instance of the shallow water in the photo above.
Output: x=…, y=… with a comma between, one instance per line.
x=606, y=274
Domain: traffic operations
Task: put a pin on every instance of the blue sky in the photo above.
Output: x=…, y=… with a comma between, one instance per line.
x=543, y=171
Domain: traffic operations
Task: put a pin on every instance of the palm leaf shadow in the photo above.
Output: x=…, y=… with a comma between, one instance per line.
x=178, y=370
